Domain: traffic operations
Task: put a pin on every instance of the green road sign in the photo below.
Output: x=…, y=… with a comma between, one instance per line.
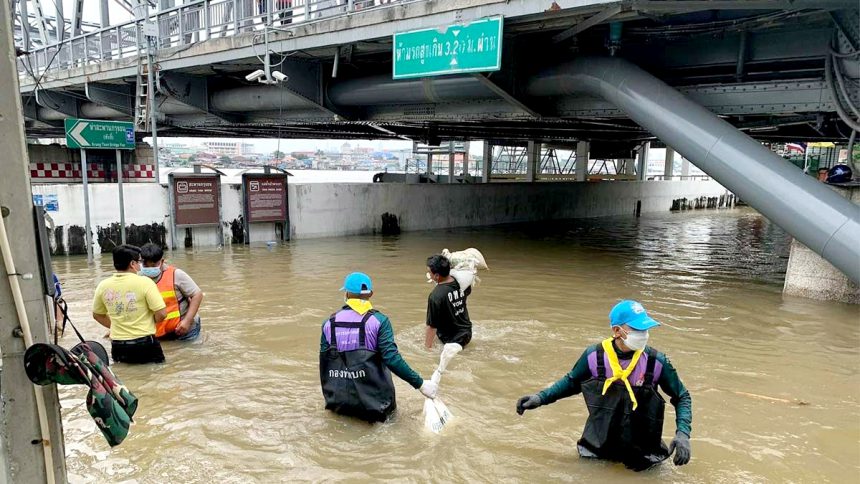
x=475, y=47
x=92, y=134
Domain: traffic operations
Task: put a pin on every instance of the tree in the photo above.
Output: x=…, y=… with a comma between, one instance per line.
x=192, y=158
x=278, y=155
x=225, y=159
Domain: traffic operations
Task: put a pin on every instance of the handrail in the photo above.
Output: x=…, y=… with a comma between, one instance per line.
x=187, y=24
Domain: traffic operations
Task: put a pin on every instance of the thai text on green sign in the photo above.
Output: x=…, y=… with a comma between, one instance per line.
x=95, y=134
x=455, y=49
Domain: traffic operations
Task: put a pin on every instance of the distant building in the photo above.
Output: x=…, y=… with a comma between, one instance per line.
x=229, y=148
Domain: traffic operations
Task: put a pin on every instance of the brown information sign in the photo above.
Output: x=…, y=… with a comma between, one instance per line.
x=265, y=198
x=196, y=199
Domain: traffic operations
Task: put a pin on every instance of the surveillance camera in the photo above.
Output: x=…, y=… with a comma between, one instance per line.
x=258, y=74
x=280, y=76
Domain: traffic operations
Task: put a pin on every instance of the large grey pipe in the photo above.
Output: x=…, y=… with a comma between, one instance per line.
x=826, y=222
x=383, y=90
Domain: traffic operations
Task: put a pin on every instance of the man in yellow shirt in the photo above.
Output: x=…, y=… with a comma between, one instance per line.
x=130, y=305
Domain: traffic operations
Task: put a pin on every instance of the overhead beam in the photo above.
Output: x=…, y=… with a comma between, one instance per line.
x=40, y=21
x=59, y=101
x=190, y=90
x=115, y=96
x=77, y=17
x=506, y=95
x=24, y=19
x=682, y=6
x=30, y=110
x=61, y=21
x=586, y=24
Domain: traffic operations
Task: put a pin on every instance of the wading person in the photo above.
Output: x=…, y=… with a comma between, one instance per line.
x=181, y=295
x=358, y=355
x=130, y=305
x=447, y=315
x=618, y=379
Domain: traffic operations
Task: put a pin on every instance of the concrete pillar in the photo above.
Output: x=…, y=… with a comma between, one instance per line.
x=582, y=149
x=629, y=166
x=487, y=162
x=685, y=168
x=451, y=164
x=429, y=163
x=669, y=164
x=644, y=151
x=23, y=452
x=532, y=160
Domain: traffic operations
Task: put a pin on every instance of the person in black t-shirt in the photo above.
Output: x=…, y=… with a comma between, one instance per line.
x=447, y=315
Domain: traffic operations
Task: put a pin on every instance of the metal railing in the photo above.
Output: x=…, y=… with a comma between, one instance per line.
x=184, y=25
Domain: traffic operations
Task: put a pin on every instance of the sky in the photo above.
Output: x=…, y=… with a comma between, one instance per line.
x=289, y=145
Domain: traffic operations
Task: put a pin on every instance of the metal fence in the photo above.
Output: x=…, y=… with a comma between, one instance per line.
x=183, y=25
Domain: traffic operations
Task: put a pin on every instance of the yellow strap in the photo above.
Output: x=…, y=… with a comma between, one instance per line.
x=168, y=294
x=172, y=315
x=360, y=306
x=617, y=372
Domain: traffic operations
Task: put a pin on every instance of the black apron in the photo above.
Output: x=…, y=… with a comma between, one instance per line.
x=356, y=382
x=614, y=431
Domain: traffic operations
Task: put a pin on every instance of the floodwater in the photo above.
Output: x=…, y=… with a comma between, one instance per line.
x=774, y=380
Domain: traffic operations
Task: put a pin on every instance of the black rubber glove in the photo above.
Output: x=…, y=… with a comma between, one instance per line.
x=528, y=402
x=681, y=447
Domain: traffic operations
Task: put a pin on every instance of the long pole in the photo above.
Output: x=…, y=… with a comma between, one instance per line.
x=121, y=201
x=18, y=297
x=88, y=235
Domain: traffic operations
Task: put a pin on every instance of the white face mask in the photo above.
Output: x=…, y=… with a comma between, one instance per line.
x=636, y=340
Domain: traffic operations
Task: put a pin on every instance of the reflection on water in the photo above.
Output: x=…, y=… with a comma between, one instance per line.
x=774, y=380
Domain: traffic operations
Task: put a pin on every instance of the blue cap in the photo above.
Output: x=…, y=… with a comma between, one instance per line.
x=357, y=283
x=632, y=314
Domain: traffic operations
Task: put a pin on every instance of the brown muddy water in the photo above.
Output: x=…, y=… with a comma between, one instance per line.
x=774, y=380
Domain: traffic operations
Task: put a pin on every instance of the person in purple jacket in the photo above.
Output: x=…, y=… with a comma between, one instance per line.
x=618, y=379
x=358, y=355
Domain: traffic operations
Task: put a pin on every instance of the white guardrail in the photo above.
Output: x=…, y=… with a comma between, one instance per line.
x=186, y=24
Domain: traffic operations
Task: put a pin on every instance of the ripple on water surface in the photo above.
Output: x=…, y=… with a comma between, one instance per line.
x=774, y=380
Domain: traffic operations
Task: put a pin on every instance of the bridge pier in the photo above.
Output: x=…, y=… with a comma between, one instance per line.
x=532, y=160
x=809, y=275
x=582, y=151
x=669, y=164
x=487, y=161
x=642, y=169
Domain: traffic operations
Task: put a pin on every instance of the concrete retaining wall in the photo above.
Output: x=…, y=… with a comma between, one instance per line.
x=337, y=209
x=324, y=210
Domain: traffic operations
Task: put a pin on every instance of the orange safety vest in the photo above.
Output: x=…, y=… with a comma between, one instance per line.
x=168, y=293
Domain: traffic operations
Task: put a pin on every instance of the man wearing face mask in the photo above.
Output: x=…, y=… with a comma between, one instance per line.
x=181, y=294
x=618, y=379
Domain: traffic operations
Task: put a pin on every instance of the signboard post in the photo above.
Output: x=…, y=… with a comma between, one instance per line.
x=195, y=200
x=453, y=49
x=265, y=200
x=90, y=134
